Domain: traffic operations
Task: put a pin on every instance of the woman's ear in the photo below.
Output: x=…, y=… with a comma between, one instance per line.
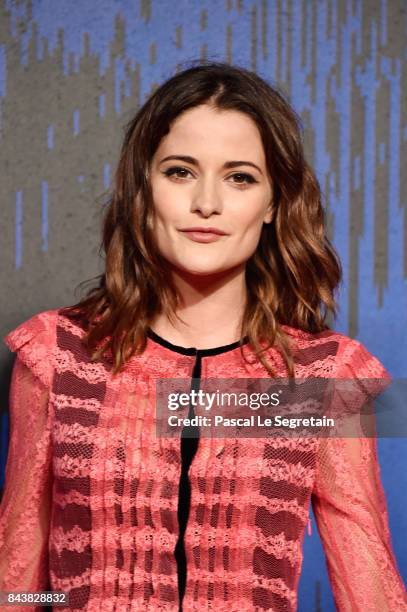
x=269, y=214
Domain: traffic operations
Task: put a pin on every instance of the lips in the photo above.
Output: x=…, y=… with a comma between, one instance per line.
x=209, y=230
x=202, y=236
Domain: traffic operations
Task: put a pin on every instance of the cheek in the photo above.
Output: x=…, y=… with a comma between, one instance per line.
x=164, y=211
x=247, y=235
x=166, y=203
x=248, y=224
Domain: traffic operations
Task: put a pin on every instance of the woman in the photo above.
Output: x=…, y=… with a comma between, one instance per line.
x=217, y=265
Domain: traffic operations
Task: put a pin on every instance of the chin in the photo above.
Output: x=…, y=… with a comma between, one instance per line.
x=200, y=271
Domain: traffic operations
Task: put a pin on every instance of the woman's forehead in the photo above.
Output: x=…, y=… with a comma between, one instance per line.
x=202, y=131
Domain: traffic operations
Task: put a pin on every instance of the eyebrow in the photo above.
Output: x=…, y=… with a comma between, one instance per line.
x=229, y=164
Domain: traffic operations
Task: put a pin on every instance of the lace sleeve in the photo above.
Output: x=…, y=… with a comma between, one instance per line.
x=351, y=512
x=25, y=506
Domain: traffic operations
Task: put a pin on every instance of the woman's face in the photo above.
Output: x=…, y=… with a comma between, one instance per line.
x=223, y=184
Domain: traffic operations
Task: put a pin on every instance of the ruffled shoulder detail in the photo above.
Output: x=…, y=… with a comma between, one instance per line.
x=34, y=341
x=366, y=377
x=355, y=361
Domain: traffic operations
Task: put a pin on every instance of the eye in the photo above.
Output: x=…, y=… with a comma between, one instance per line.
x=249, y=179
x=174, y=170
x=177, y=171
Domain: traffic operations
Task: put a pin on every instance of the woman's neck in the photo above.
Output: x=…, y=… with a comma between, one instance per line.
x=211, y=311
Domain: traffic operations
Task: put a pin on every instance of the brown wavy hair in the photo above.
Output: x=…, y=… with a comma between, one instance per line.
x=292, y=276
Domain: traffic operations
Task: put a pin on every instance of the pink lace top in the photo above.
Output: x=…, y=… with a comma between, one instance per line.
x=91, y=494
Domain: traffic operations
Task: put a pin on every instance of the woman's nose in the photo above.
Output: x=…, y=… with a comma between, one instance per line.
x=207, y=197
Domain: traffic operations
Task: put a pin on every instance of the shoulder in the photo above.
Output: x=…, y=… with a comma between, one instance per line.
x=41, y=325
x=34, y=341
x=350, y=357
x=356, y=360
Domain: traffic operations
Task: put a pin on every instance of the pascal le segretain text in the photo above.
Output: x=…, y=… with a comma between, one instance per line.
x=254, y=420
